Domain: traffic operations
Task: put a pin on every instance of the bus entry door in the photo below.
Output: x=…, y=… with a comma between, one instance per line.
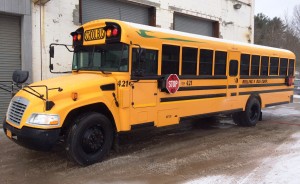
x=233, y=77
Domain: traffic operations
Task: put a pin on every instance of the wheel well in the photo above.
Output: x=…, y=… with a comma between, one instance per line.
x=254, y=96
x=97, y=107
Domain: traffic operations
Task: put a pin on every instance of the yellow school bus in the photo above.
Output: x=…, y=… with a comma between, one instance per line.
x=127, y=76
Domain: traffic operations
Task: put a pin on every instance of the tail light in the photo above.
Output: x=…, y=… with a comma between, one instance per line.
x=289, y=81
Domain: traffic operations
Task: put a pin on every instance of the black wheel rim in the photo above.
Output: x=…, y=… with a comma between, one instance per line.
x=254, y=113
x=92, y=139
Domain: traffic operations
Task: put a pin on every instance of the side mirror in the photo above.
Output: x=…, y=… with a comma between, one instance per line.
x=20, y=76
x=51, y=51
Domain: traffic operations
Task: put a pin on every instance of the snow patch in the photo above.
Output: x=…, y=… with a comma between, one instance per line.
x=296, y=96
x=284, y=111
x=222, y=179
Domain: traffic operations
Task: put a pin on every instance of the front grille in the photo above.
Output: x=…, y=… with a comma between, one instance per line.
x=16, y=109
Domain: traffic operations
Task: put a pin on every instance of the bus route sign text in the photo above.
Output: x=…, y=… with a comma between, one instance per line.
x=94, y=34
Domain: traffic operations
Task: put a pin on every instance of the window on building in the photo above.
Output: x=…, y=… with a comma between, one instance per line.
x=220, y=63
x=206, y=61
x=170, y=59
x=283, y=66
x=189, y=61
x=291, y=67
x=255, y=65
x=245, y=64
x=264, y=66
x=274, y=62
x=148, y=66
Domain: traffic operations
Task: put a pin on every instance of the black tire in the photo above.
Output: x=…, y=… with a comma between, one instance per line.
x=236, y=117
x=90, y=138
x=250, y=116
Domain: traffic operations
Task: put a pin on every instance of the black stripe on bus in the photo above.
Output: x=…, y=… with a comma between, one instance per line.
x=202, y=77
x=143, y=125
x=261, y=85
x=201, y=88
x=232, y=86
x=279, y=103
x=210, y=114
x=157, y=77
x=265, y=91
x=233, y=94
x=182, y=98
x=262, y=77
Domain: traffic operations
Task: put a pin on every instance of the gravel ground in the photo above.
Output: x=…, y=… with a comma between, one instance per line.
x=197, y=151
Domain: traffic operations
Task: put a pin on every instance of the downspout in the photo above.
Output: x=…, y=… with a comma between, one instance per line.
x=41, y=44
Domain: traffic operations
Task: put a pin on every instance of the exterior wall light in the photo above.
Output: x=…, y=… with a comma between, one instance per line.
x=237, y=6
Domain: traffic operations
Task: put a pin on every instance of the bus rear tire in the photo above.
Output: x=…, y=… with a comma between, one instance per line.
x=89, y=139
x=251, y=115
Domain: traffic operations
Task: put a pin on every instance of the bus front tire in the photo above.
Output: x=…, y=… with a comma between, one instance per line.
x=250, y=116
x=89, y=139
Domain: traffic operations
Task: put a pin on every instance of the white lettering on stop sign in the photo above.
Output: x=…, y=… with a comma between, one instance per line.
x=172, y=83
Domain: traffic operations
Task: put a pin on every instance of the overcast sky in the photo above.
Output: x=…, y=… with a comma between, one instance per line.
x=275, y=8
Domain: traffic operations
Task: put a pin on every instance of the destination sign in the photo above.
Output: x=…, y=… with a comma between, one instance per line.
x=94, y=34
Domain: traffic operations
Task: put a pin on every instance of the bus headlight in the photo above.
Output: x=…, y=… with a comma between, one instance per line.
x=43, y=119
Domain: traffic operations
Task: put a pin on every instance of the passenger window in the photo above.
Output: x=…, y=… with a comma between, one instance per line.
x=220, y=63
x=283, y=66
x=274, y=62
x=170, y=59
x=291, y=67
x=255, y=65
x=264, y=66
x=245, y=64
x=233, y=68
x=206, y=60
x=189, y=61
x=149, y=65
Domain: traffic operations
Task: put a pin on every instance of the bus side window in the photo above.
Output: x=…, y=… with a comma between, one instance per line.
x=283, y=66
x=274, y=62
x=264, y=66
x=233, y=68
x=189, y=61
x=149, y=66
x=291, y=67
x=206, y=61
x=245, y=64
x=255, y=65
x=170, y=59
x=220, y=63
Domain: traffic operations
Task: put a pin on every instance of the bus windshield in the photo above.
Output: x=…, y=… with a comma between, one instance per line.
x=108, y=57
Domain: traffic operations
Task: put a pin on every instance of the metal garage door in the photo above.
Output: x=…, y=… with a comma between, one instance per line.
x=99, y=9
x=10, y=55
x=193, y=25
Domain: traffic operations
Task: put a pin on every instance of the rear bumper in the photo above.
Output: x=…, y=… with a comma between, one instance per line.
x=37, y=139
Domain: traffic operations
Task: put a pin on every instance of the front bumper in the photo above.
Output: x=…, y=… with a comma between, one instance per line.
x=37, y=139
